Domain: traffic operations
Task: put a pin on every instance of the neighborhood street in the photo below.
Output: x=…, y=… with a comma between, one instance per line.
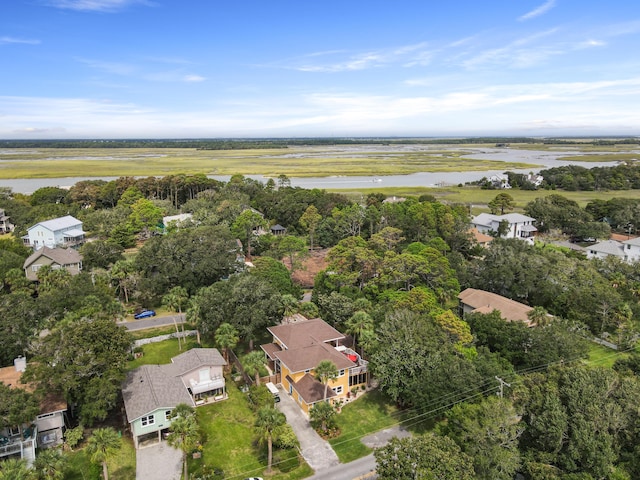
x=152, y=322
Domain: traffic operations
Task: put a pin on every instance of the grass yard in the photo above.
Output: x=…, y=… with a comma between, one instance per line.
x=476, y=197
x=229, y=442
x=602, y=356
x=162, y=352
x=122, y=466
x=368, y=414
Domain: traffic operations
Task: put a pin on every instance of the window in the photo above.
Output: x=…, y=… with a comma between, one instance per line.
x=307, y=371
x=148, y=420
x=338, y=389
x=35, y=268
x=167, y=415
x=341, y=373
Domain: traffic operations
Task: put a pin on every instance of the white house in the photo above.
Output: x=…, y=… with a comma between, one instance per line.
x=151, y=392
x=607, y=248
x=519, y=226
x=46, y=430
x=632, y=249
x=59, y=232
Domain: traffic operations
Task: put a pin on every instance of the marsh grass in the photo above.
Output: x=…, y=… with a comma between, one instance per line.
x=295, y=162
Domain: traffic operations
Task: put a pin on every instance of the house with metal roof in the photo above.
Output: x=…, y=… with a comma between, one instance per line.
x=299, y=347
x=151, y=392
x=518, y=225
x=59, y=232
x=56, y=258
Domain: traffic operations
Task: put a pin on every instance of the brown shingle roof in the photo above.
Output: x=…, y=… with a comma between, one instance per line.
x=61, y=256
x=307, y=358
x=311, y=390
x=303, y=334
x=487, y=302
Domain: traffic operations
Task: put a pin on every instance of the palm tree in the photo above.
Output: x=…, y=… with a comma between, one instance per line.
x=226, y=338
x=174, y=300
x=182, y=410
x=326, y=371
x=290, y=304
x=269, y=423
x=539, y=316
x=177, y=298
x=323, y=413
x=49, y=464
x=184, y=435
x=103, y=443
x=358, y=324
x=252, y=363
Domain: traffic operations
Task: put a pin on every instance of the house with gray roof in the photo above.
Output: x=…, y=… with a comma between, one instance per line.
x=57, y=258
x=151, y=392
x=607, y=248
x=518, y=225
x=59, y=232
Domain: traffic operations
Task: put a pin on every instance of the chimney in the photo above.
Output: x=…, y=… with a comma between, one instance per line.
x=20, y=364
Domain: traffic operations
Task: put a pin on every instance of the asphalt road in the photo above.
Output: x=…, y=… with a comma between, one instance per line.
x=153, y=322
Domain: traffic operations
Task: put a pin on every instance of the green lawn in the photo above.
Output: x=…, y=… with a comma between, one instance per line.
x=229, y=442
x=474, y=196
x=122, y=466
x=602, y=356
x=367, y=414
x=161, y=352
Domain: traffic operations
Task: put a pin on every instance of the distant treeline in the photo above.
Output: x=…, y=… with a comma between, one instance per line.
x=625, y=176
x=248, y=143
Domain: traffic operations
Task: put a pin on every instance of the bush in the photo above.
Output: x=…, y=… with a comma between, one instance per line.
x=286, y=460
x=259, y=397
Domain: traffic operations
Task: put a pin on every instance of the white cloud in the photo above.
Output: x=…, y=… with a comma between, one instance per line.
x=27, y=41
x=95, y=5
x=507, y=108
x=405, y=55
x=541, y=10
x=193, y=78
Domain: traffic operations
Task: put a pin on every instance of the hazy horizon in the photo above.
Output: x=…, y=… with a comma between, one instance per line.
x=164, y=69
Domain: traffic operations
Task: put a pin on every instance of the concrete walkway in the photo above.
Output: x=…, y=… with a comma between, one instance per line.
x=316, y=451
x=158, y=462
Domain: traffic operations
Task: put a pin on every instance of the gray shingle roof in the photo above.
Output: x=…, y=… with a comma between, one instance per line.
x=194, y=358
x=150, y=387
x=608, y=247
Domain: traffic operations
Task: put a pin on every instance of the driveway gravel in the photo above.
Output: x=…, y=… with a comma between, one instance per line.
x=158, y=462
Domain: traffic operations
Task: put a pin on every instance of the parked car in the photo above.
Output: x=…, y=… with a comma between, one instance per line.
x=144, y=314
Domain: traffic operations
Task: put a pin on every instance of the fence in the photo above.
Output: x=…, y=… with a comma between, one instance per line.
x=162, y=338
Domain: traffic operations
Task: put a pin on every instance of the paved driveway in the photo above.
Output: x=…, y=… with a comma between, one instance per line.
x=316, y=451
x=158, y=462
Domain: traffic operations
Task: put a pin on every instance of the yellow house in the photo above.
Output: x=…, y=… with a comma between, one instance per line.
x=299, y=347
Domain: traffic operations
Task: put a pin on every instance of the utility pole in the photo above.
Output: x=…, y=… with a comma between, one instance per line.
x=502, y=385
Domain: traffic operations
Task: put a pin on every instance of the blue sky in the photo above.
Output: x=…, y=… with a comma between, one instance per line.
x=208, y=68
